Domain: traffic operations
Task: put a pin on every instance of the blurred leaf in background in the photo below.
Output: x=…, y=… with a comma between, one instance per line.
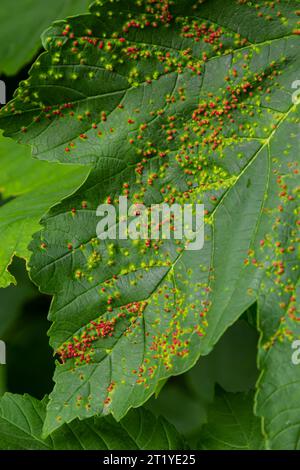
x=29, y=188
x=22, y=23
x=232, y=424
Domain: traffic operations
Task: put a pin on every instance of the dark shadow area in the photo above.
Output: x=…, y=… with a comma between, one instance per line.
x=24, y=326
x=12, y=83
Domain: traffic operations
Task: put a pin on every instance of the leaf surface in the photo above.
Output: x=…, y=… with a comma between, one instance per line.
x=170, y=103
x=232, y=424
x=21, y=422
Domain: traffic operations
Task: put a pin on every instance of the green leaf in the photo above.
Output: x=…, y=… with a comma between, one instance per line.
x=38, y=186
x=21, y=422
x=278, y=396
x=22, y=23
x=232, y=424
x=168, y=108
